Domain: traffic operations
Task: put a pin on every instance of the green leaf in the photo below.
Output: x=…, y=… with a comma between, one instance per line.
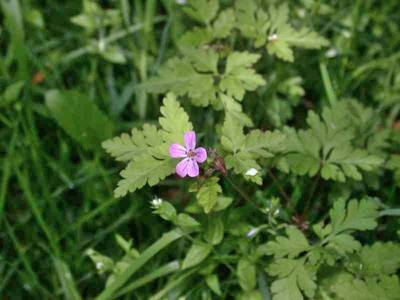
x=124, y=244
x=79, y=117
x=147, y=150
x=174, y=121
x=380, y=259
x=144, y=169
x=213, y=283
x=196, y=254
x=114, y=54
x=214, y=231
x=251, y=20
x=344, y=243
x=282, y=36
x=290, y=246
x=186, y=222
x=181, y=77
x=346, y=287
x=223, y=24
x=127, y=147
x=166, y=211
x=203, y=60
x=222, y=203
x=326, y=147
x=12, y=92
x=208, y=194
x=235, y=110
x=103, y=263
x=239, y=76
x=246, y=150
x=294, y=278
x=246, y=273
x=273, y=29
x=202, y=10
x=358, y=215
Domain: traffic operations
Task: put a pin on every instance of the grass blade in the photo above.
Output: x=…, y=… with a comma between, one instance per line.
x=123, y=277
x=160, y=272
x=66, y=279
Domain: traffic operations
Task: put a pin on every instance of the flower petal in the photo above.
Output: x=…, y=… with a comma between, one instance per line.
x=182, y=167
x=190, y=140
x=201, y=154
x=176, y=150
x=193, y=170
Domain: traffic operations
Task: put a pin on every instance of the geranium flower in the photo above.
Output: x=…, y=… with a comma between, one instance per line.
x=192, y=155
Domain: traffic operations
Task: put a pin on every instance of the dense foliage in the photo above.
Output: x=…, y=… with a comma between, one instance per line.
x=296, y=102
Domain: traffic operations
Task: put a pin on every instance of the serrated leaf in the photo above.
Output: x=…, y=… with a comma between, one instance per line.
x=127, y=147
x=380, y=259
x=246, y=273
x=174, y=121
x=203, y=60
x=79, y=117
x=346, y=287
x=181, y=77
x=224, y=23
x=196, y=254
x=239, y=76
x=234, y=109
x=344, y=243
x=282, y=36
x=147, y=150
x=252, y=21
x=246, y=150
x=202, y=10
x=273, y=30
x=326, y=147
x=144, y=169
x=358, y=215
x=208, y=194
x=293, y=280
x=290, y=246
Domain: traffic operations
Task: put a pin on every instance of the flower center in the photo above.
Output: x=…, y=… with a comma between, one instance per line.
x=191, y=153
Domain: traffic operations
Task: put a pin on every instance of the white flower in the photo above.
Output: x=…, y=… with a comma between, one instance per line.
x=251, y=172
x=156, y=202
x=273, y=37
x=332, y=52
x=181, y=2
x=252, y=232
x=99, y=265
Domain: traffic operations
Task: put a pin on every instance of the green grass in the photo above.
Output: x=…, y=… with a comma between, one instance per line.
x=56, y=193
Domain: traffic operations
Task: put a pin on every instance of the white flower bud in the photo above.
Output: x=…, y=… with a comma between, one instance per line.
x=273, y=37
x=99, y=265
x=252, y=232
x=156, y=202
x=251, y=172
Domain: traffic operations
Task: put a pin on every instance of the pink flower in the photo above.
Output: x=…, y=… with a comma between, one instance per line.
x=192, y=155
